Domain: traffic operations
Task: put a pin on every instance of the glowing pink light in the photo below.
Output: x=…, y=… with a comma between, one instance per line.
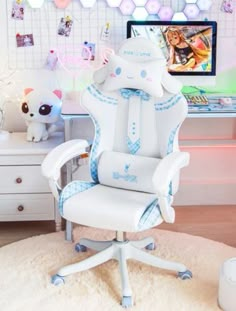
x=62, y=4
x=74, y=60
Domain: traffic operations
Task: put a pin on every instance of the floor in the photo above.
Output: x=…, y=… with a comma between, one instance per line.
x=213, y=222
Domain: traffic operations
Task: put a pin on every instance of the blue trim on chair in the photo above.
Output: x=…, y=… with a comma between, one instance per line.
x=94, y=152
x=100, y=96
x=133, y=147
x=71, y=189
x=170, y=148
x=171, y=139
x=168, y=104
x=150, y=217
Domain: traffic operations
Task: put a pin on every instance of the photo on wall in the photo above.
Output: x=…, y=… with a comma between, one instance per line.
x=65, y=26
x=18, y=11
x=24, y=40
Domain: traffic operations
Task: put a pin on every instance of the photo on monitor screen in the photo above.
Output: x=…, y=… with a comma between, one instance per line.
x=189, y=47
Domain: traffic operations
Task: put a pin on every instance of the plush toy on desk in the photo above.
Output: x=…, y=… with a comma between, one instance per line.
x=41, y=110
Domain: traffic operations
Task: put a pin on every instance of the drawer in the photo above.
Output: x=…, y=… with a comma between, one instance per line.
x=22, y=179
x=26, y=207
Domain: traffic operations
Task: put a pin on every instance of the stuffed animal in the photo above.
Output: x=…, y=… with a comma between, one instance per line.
x=41, y=110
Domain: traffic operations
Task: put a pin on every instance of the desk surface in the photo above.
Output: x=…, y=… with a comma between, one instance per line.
x=213, y=109
x=71, y=108
x=16, y=144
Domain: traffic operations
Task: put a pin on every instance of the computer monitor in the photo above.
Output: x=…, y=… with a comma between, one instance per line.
x=188, y=46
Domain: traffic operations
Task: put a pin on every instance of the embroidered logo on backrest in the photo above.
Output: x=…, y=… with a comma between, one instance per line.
x=126, y=176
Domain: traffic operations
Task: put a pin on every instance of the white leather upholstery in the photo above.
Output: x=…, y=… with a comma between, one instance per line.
x=135, y=163
x=108, y=208
x=133, y=122
x=127, y=171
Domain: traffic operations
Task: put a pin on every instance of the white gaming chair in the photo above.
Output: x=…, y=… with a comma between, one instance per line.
x=137, y=109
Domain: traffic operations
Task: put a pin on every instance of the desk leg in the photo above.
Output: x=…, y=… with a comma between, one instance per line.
x=69, y=224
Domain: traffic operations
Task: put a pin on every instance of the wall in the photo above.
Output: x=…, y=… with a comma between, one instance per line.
x=210, y=178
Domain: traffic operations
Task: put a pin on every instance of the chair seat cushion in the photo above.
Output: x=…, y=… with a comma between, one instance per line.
x=113, y=208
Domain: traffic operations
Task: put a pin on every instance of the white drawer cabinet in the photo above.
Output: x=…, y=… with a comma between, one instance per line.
x=22, y=179
x=26, y=207
x=24, y=192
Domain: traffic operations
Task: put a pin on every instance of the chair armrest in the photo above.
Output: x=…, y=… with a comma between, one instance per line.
x=163, y=175
x=168, y=167
x=56, y=158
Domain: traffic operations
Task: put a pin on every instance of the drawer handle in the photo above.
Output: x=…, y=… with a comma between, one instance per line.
x=18, y=180
x=20, y=208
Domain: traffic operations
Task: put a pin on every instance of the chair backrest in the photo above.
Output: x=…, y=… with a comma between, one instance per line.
x=136, y=106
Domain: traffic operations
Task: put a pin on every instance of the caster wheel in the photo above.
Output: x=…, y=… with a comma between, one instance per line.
x=80, y=248
x=150, y=247
x=57, y=280
x=126, y=302
x=185, y=275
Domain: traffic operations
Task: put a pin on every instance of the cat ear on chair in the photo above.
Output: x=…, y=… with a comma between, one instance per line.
x=137, y=109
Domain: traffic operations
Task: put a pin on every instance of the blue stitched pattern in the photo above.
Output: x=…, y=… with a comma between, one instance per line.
x=100, y=96
x=133, y=147
x=171, y=139
x=71, y=189
x=170, y=149
x=167, y=104
x=94, y=151
x=126, y=93
x=150, y=217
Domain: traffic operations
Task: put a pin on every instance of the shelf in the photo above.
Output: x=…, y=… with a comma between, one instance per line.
x=212, y=115
x=213, y=143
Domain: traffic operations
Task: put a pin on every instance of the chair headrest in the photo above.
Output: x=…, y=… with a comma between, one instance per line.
x=139, y=64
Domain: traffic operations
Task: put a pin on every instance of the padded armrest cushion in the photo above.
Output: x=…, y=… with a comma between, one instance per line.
x=169, y=166
x=127, y=171
x=57, y=157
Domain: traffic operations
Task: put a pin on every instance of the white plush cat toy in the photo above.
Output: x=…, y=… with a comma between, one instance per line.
x=40, y=109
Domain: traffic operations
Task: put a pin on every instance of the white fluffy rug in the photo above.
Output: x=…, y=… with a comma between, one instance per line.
x=26, y=267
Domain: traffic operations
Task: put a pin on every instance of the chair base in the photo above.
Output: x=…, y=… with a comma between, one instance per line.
x=121, y=251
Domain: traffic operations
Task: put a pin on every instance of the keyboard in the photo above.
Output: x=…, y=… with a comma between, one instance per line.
x=193, y=100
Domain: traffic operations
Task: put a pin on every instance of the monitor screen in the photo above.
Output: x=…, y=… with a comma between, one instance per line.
x=189, y=47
